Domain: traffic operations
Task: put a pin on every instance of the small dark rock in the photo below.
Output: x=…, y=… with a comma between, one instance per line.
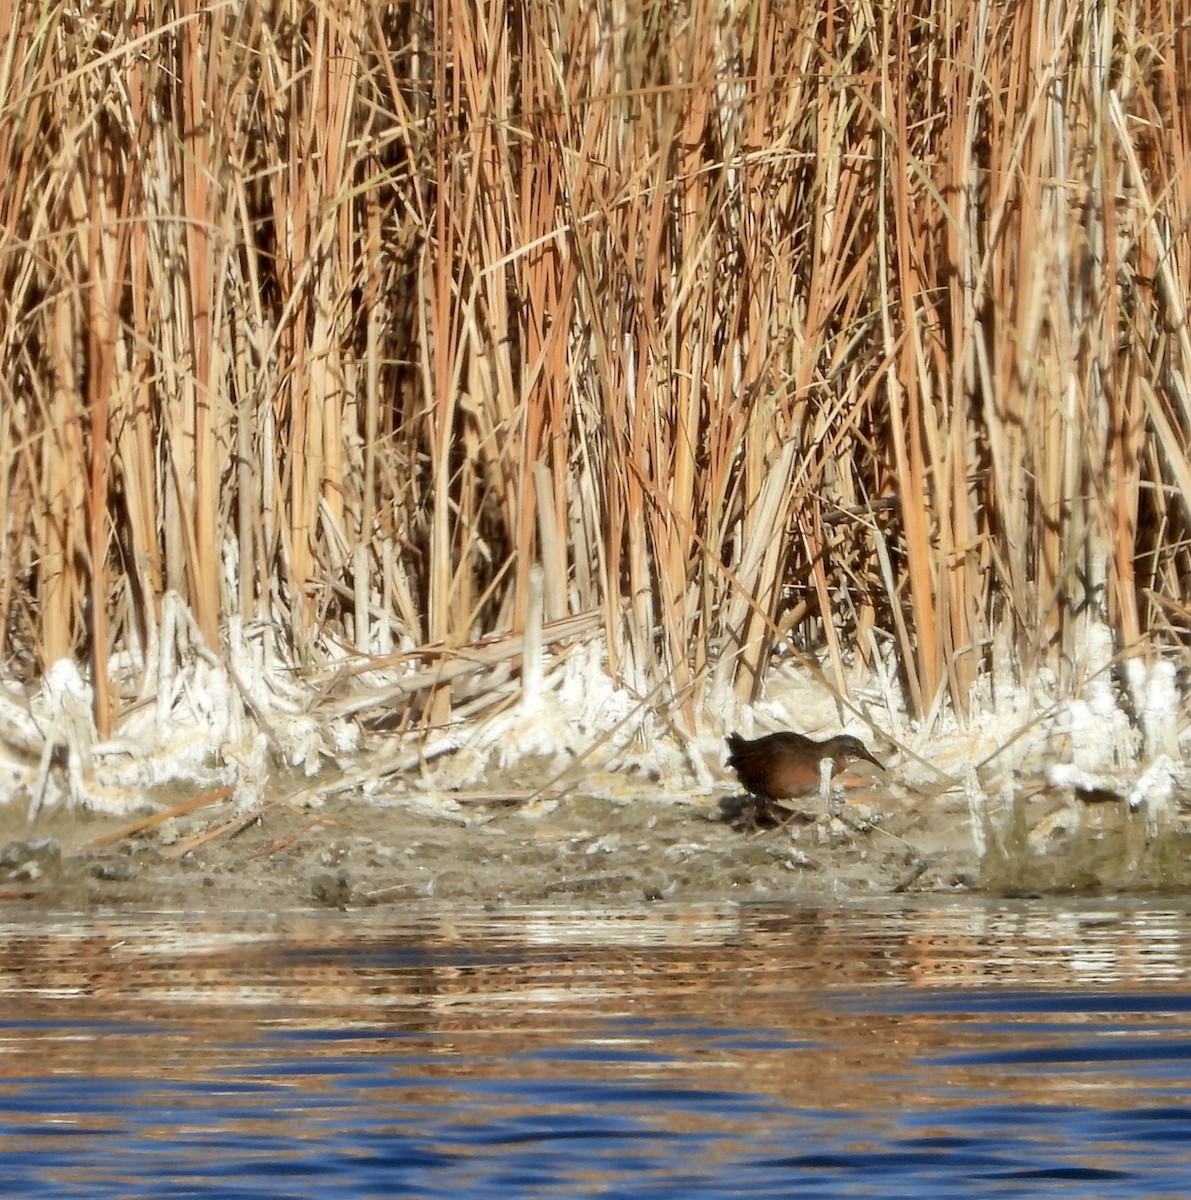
x=112, y=870
x=27, y=862
x=334, y=890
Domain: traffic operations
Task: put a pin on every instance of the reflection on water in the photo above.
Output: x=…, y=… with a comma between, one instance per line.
x=1007, y=1050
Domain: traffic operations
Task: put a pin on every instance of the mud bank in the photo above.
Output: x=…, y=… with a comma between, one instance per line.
x=351, y=853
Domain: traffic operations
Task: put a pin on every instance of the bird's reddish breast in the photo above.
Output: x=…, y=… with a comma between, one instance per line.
x=788, y=775
x=776, y=771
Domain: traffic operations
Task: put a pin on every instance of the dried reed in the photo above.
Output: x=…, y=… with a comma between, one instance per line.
x=846, y=328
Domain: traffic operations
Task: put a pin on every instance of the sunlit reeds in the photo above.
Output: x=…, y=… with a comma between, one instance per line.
x=830, y=329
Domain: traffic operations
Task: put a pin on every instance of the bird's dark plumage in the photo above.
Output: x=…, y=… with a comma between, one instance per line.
x=781, y=765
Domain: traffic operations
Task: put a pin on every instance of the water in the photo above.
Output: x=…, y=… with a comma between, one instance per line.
x=936, y=1049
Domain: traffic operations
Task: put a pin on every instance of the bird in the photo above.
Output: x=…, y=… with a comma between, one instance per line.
x=780, y=766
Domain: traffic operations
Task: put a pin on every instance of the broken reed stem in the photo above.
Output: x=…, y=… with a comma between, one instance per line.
x=178, y=810
x=450, y=294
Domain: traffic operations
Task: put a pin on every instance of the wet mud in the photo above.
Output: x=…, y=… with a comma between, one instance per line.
x=353, y=852
x=349, y=852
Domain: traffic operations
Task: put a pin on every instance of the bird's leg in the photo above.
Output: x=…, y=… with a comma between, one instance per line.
x=749, y=817
x=826, y=766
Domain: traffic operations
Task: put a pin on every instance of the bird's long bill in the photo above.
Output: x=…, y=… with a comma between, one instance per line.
x=875, y=761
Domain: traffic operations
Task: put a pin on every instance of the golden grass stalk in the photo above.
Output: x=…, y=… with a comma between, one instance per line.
x=819, y=327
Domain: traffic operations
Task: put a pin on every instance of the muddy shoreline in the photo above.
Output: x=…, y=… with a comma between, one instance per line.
x=386, y=851
x=401, y=848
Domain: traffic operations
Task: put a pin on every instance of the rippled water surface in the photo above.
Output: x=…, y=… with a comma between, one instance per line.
x=957, y=1048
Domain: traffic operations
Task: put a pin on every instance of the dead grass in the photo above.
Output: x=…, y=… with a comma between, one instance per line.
x=855, y=330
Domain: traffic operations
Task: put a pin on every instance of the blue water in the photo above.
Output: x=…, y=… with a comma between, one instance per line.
x=950, y=1049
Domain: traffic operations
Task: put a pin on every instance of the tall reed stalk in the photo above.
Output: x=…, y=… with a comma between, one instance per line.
x=853, y=330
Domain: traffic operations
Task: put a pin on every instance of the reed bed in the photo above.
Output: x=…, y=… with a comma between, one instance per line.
x=851, y=332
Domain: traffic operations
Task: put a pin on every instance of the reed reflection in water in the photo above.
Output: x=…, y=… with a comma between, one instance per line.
x=1003, y=1049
